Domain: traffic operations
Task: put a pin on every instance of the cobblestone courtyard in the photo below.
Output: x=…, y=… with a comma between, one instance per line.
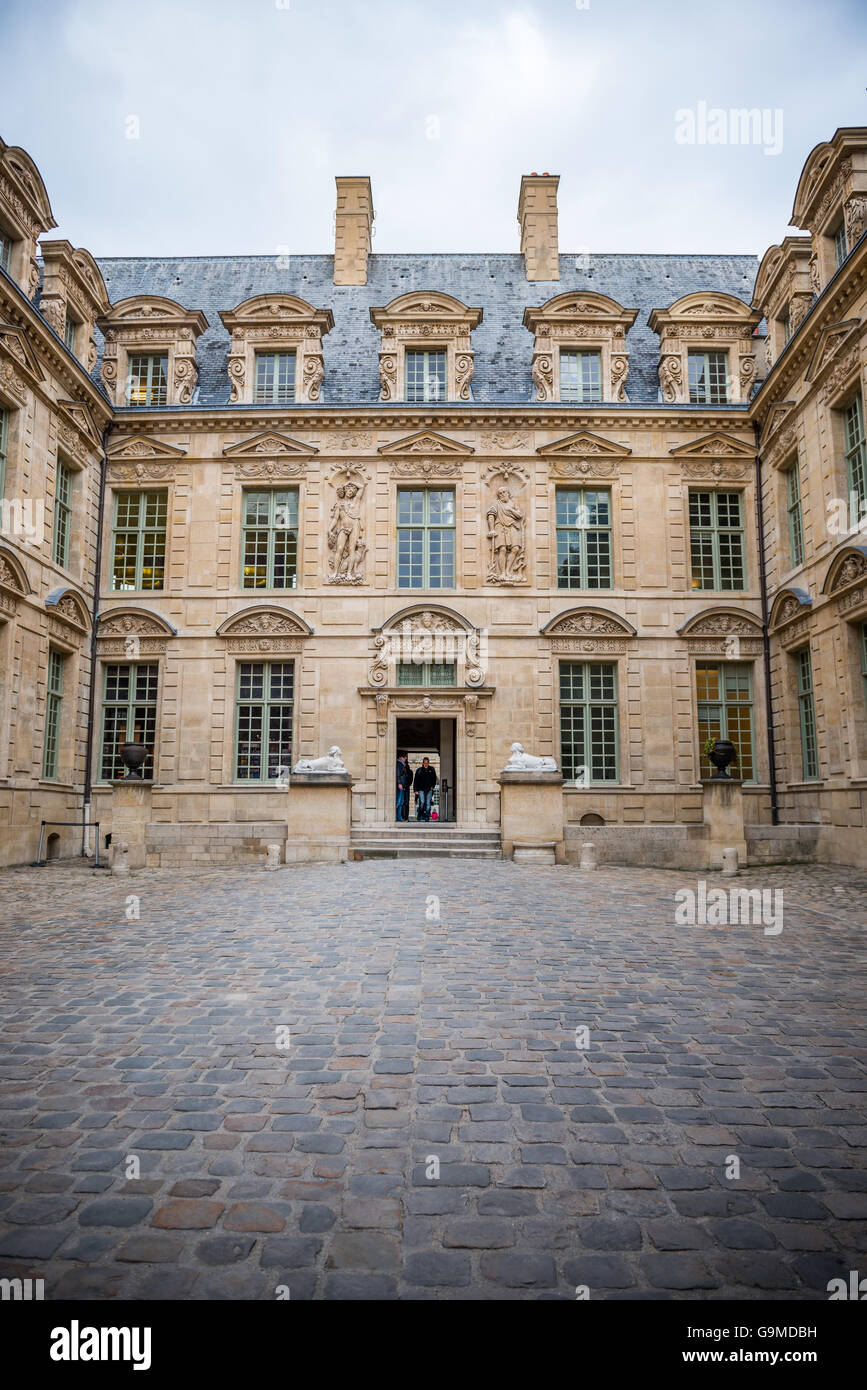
x=413, y=1039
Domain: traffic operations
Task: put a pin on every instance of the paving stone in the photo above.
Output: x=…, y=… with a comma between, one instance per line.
x=479, y=1235
x=150, y=1249
x=434, y=1268
x=680, y=1271
x=520, y=1271
x=224, y=1250
x=289, y=1252
x=188, y=1214
x=115, y=1211
x=363, y=1250
x=366, y=1287
x=599, y=1272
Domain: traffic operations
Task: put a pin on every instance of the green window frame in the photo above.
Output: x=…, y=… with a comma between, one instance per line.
x=147, y=378
x=425, y=538
x=584, y=544
x=426, y=673
x=264, y=709
x=716, y=540
x=5, y=250
x=589, y=744
x=841, y=243
x=724, y=699
x=62, y=509
x=580, y=375
x=129, y=715
x=425, y=374
x=807, y=716
x=269, y=539
x=53, y=709
x=793, y=509
x=4, y=446
x=274, y=378
x=708, y=378
x=139, y=541
x=856, y=456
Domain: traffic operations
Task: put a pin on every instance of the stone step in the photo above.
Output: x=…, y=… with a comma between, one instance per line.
x=415, y=841
x=382, y=851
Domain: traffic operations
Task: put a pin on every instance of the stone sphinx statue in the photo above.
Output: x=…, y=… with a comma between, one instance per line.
x=528, y=762
x=331, y=762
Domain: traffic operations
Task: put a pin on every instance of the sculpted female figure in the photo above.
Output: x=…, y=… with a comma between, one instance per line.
x=346, y=537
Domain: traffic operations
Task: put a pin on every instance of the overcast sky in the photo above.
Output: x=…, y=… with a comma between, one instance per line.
x=246, y=110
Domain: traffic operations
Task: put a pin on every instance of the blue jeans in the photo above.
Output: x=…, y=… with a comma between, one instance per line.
x=401, y=803
x=424, y=801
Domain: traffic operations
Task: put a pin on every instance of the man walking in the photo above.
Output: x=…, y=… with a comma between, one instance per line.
x=404, y=783
x=423, y=785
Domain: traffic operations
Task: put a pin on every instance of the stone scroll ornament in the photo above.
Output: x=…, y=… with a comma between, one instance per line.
x=346, y=546
x=506, y=523
x=332, y=761
x=519, y=761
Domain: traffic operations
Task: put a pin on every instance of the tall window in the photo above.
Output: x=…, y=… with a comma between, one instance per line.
x=708, y=378
x=856, y=456
x=426, y=375
x=841, y=244
x=588, y=721
x=263, y=725
x=4, y=444
x=61, y=515
x=807, y=716
x=580, y=376
x=425, y=538
x=725, y=710
x=269, y=542
x=716, y=540
x=793, y=507
x=274, y=382
x=426, y=673
x=583, y=538
x=129, y=715
x=69, y=328
x=53, y=702
x=139, y=540
x=5, y=249
x=147, y=378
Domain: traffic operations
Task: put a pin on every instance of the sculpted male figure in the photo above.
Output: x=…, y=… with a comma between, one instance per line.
x=346, y=536
x=506, y=537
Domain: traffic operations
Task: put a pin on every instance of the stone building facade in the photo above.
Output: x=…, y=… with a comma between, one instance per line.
x=442, y=502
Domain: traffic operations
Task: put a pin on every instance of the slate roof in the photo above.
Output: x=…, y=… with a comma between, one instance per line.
x=496, y=283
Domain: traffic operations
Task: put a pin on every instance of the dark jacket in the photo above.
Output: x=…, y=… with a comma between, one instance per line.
x=404, y=775
x=425, y=779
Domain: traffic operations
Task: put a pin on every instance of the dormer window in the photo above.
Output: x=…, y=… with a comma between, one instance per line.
x=426, y=377
x=72, y=298
x=841, y=246
x=147, y=380
x=580, y=376
x=708, y=378
x=275, y=378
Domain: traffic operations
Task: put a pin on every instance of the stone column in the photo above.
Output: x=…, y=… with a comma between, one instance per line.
x=531, y=816
x=723, y=815
x=130, y=818
x=319, y=812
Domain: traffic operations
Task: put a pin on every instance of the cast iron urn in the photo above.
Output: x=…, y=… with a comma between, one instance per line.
x=132, y=755
x=723, y=753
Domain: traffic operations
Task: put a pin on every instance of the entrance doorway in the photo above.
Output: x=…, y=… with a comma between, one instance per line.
x=433, y=739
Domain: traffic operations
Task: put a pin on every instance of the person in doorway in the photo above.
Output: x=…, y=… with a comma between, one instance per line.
x=423, y=785
x=404, y=785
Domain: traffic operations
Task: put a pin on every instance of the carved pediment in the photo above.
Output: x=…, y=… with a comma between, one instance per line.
x=576, y=306
x=15, y=344
x=264, y=310
x=830, y=343
x=142, y=310
x=789, y=605
x=716, y=457
x=425, y=305
x=80, y=418
x=722, y=622
x=717, y=444
x=426, y=442
x=264, y=622
x=69, y=607
x=588, y=622
x=270, y=444
x=13, y=576
x=584, y=444
x=141, y=446
x=26, y=179
x=774, y=420
x=134, y=622
x=849, y=567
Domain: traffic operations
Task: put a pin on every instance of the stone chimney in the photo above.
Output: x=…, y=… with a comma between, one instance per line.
x=352, y=230
x=537, y=214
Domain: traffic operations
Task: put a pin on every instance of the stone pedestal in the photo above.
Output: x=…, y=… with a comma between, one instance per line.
x=318, y=812
x=723, y=816
x=531, y=816
x=130, y=817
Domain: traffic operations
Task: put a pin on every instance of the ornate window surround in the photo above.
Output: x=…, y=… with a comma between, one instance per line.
x=789, y=619
x=832, y=186
x=25, y=212
x=259, y=632
x=151, y=324
x=580, y=320
x=706, y=320
x=427, y=631
x=426, y=319
x=276, y=323
x=785, y=291
x=72, y=285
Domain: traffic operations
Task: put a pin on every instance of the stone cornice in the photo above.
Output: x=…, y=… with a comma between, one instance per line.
x=59, y=362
